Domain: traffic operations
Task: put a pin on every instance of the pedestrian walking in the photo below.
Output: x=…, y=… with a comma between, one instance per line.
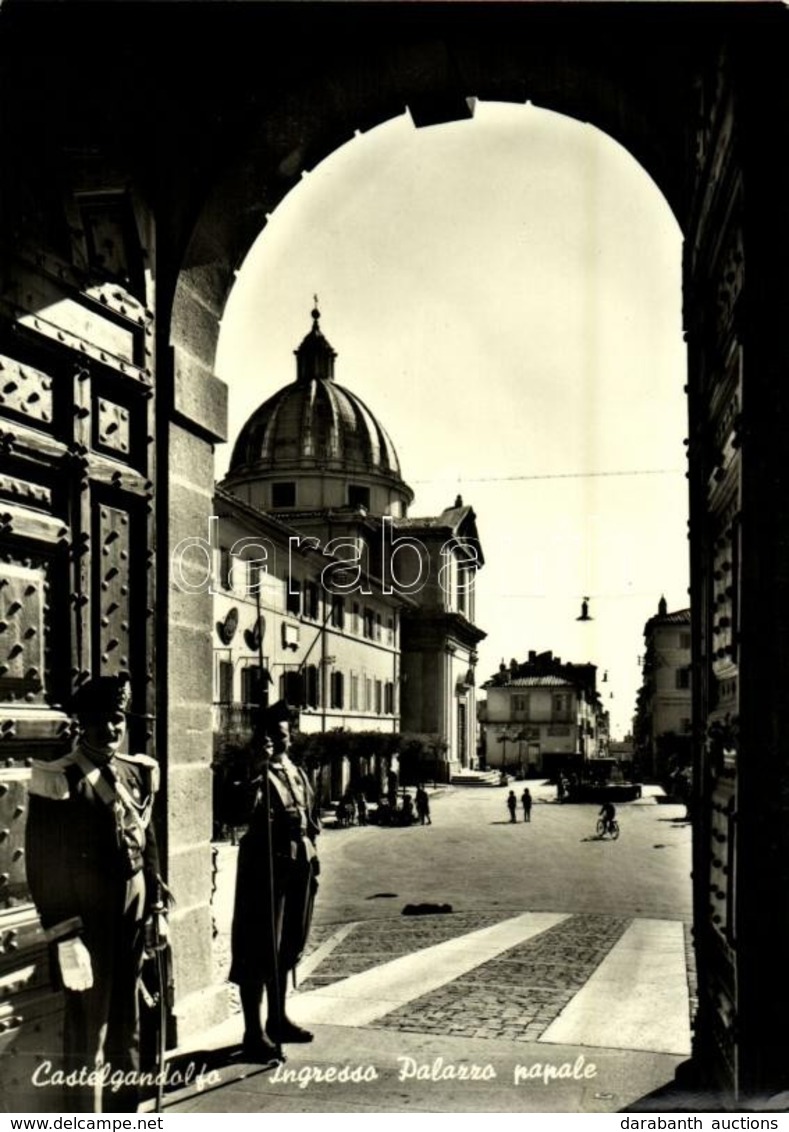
x=391, y=788
x=407, y=812
x=512, y=805
x=423, y=806
x=526, y=803
x=350, y=806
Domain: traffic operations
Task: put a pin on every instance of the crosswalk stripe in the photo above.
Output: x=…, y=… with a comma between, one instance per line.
x=312, y=961
x=637, y=998
x=361, y=999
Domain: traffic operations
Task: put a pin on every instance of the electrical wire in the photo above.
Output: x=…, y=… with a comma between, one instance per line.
x=560, y=476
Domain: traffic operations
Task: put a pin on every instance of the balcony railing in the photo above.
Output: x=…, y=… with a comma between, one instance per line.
x=232, y=720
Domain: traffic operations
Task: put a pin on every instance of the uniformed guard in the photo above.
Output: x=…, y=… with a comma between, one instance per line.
x=276, y=884
x=94, y=875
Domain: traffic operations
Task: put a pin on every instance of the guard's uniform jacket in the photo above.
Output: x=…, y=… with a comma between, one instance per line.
x=294, y=827
x=92, y=868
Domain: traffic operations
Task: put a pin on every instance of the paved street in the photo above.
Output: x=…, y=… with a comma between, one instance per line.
x=473, y=859
x=559, y=946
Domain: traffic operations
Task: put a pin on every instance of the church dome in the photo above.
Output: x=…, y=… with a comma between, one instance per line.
x=316, y=426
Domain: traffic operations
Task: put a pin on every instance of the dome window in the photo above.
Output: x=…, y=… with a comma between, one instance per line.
x=283, y=495
x=358, y=496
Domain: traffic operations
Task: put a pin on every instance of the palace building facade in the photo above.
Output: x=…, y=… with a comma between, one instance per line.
x=335, y=599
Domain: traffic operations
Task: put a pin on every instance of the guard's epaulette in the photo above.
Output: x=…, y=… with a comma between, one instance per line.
x=147, y=763
x=49, y=780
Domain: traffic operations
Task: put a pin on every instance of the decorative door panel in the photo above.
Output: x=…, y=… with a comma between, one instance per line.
x=714, y=290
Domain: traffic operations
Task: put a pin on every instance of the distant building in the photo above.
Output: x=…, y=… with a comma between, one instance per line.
x=439, y=637
x=622, y=751
x=368, y=613
x=663, y=721
x=542, y=716
x=278, y=634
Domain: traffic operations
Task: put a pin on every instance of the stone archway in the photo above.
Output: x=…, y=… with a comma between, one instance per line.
x=434, y=72
x=701, y=142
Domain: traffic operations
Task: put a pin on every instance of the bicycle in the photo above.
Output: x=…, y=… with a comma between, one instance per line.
x=604, y=827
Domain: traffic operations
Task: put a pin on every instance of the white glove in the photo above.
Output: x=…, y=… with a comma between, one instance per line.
x=157, y=933
x=76, y=969
x=162, y=928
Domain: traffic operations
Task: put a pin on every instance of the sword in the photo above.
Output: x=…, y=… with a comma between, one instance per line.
x=275, y=1005
x=159, y=946
x=275, y=1000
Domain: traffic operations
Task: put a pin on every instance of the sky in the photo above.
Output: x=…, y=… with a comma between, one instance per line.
x=504, y=294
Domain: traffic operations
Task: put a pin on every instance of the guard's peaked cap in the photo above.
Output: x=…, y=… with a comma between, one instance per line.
x=104, y=695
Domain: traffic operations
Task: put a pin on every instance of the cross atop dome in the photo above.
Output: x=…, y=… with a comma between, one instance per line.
x=315, y=357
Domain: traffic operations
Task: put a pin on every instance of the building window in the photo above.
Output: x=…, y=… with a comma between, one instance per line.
x=357, y=624
x=290, y=687
x=312, y=602
x=225, y=682
x=225, y=566
x=560, y=706
x=379, y=627
x=462, y=590
x=682, y=678
x=379, y=697
x=283, y=495
x=389, y=704
x=311, y=690
x=293, y=599
x=390, y=631
x=354, y=692
x=254, y=689
x=684, y=640
x=255, y=572
x=520, y=706
x=338, y=611
x=358, y=496
x=368, y=694
x=337, y=682
x=237, y=575
x=369, y=623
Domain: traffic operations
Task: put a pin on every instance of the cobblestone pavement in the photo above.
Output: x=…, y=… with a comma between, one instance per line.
x=378, y=941
x=519, y=993
x=514, y=996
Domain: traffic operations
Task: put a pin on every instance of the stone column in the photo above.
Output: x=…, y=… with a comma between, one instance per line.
x=195, y=420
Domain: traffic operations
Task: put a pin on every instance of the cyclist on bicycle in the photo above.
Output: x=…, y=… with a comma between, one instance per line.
x=608, y=814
